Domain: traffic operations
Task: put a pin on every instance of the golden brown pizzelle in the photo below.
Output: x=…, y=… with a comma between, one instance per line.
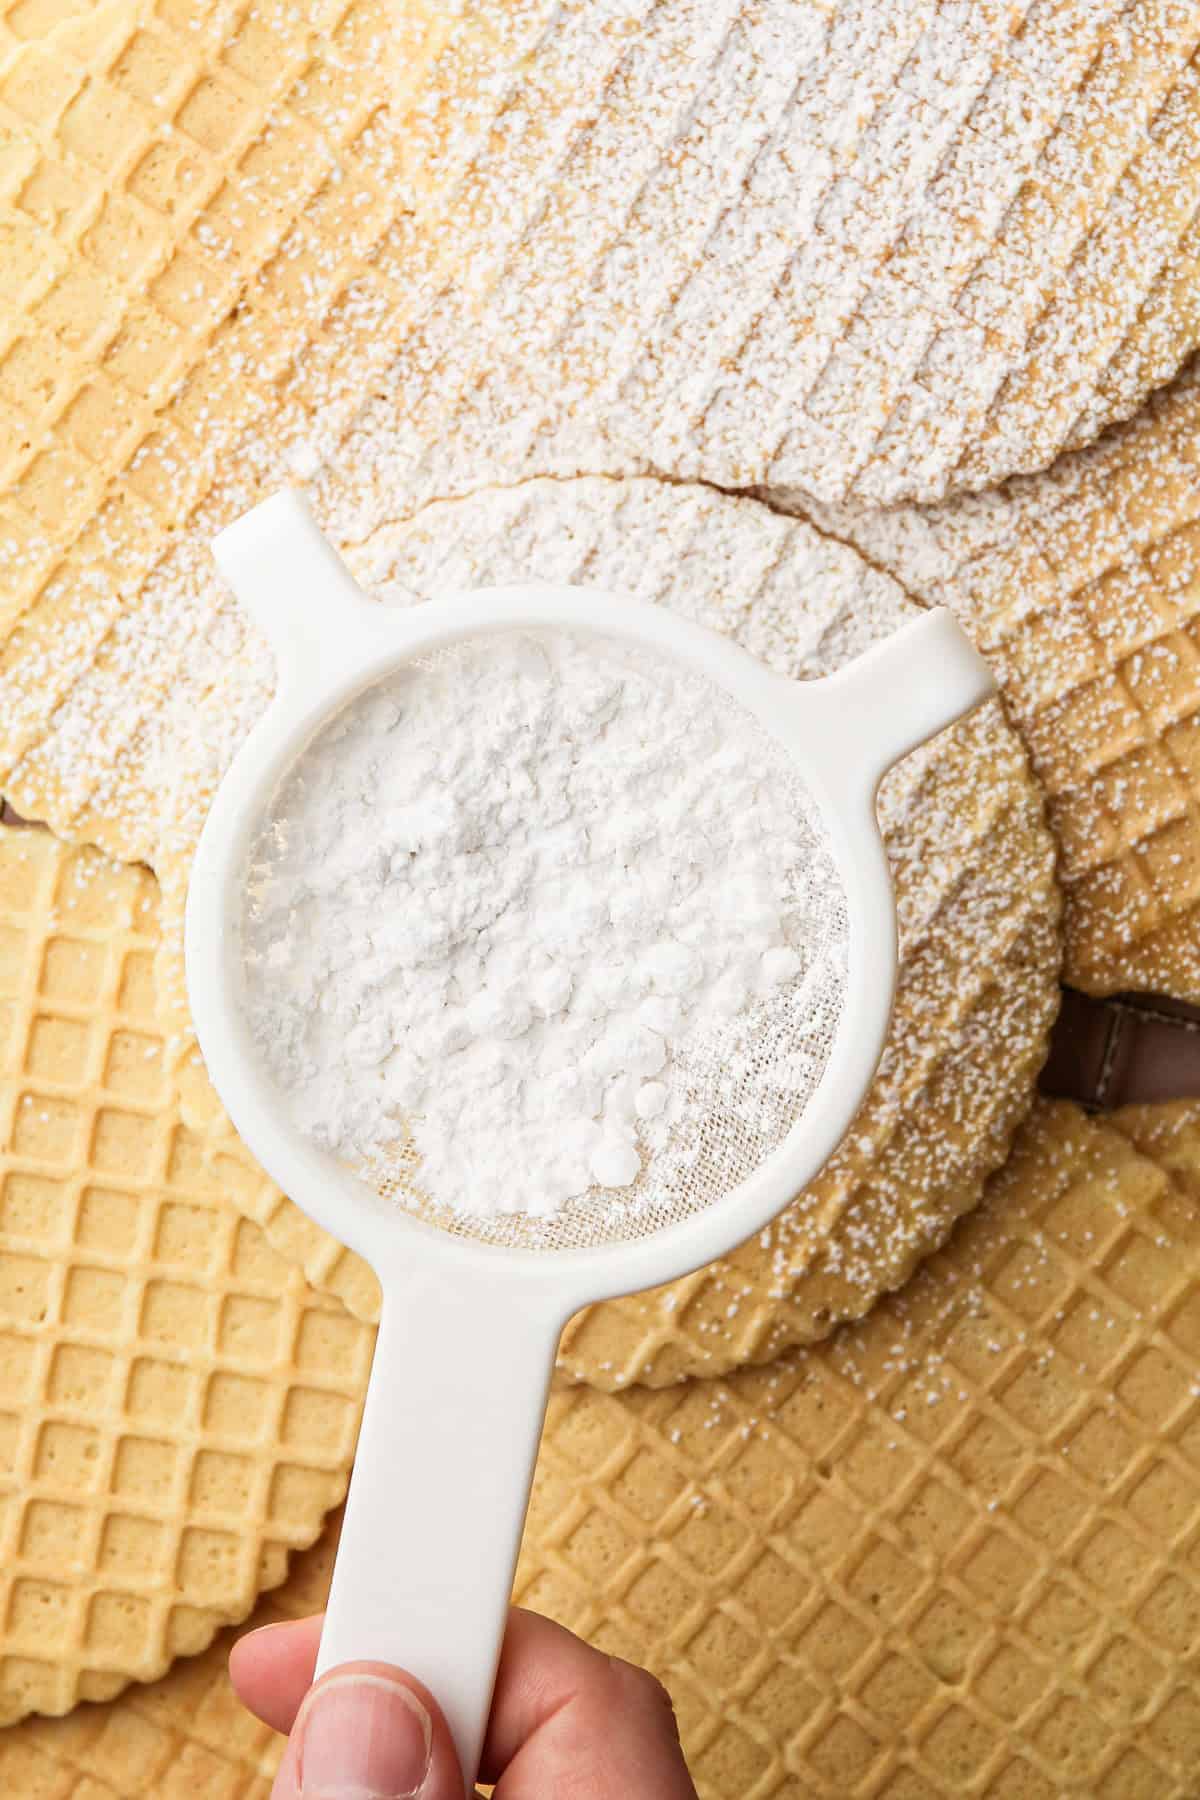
x=174, y=1738
x=951, y=1551
x=1082, y=587
x=200, y=228
x=178, y=1410
x=243, y=269
x=974, y=871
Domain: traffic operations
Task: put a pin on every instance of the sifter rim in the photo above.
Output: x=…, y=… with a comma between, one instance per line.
x=336, y=1196
x=841, y=733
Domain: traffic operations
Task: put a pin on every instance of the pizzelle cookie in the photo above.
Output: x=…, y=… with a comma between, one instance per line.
x=977, y=902
x=199, y=230
x=208, y=269
x=1082, y=587
x=953, y=1550
x=950, y=1552
x=183, y=1735
x=881, y=254
x=178, y=1410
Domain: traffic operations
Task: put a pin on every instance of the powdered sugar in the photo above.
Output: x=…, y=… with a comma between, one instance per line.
x=874, y=251
x=540, y=898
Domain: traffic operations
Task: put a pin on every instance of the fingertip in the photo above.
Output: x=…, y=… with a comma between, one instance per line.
x=356, y=1710
x=272, y=1669
x=251, y=1648
x=369, y=1728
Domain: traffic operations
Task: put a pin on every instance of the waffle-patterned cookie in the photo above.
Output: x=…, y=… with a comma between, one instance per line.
x=1082, y=586
x=182, y=1736
x=177, y=1410
x=974, y=872
x=874, y=251
x=948, y=1555
x=199, y=227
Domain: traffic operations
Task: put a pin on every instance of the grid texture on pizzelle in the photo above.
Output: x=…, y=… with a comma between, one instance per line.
x=177, y=1410
x=880, y=253
x=956, y=1550
x=950, y=1552
x=973, y=867
x=183, y=1735
x=198, y=221
x=1082, y=586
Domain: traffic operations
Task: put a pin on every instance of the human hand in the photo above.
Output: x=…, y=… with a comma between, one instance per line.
x=565, y=1719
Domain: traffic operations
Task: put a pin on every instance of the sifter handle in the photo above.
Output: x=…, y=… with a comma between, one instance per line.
x=899, y=694
x=296, y=588
x=439, y=1492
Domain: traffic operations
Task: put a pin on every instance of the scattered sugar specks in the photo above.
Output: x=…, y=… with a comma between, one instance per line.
x=1082, y=587
x=920, y=246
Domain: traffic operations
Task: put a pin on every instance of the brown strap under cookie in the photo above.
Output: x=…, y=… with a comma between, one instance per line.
x=1132, y=1048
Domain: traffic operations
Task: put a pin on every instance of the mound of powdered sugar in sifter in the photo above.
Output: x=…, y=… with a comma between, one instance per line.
x=558, y=918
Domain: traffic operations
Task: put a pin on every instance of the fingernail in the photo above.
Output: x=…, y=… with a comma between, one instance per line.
x=363, y=1737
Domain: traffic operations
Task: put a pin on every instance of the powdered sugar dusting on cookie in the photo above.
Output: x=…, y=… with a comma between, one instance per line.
x=1082, y=585
x=869, y=250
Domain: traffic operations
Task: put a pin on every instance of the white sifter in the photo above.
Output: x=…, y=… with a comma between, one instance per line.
x=472, y=1313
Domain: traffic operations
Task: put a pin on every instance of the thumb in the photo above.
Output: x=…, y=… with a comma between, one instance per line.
x=369, y=1732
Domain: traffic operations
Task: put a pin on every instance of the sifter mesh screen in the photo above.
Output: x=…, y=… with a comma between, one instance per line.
x=738, y=1083
x=746, y=1088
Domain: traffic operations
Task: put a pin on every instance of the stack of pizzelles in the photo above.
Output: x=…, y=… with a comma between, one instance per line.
x=899, y=1499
